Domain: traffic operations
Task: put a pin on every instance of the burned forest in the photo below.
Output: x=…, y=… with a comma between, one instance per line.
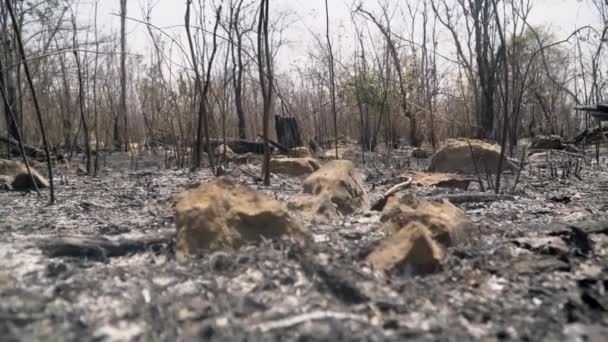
x=279, y=170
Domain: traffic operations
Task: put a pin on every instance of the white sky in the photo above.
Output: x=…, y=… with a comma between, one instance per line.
x=562, y=16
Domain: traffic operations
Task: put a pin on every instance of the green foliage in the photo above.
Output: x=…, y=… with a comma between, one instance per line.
x=367, y=88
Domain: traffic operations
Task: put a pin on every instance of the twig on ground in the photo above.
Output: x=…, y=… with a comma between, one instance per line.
x=307, y=317
x=379, y=205
x=471, y=198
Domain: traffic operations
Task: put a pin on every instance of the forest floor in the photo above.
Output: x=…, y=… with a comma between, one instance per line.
x=496, y=287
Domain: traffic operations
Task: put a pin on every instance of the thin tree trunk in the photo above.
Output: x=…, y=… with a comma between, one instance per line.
x=95, y=112
x=123, y=73
x=81, y=98
x=332, y=80
x=11, y=114
x=34, y=97
x=266, y=82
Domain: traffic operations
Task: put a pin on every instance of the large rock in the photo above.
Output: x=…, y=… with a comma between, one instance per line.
x=294, y=166
x=448, y=224
x=410, y=251
x=315, y=209
x=219, y=152
x=419, y=233
x=456, y=157
x=440, y=180
x=344, y=153
x=335, y=189
x=224, y=214
x=16, y=173
x=300, y=152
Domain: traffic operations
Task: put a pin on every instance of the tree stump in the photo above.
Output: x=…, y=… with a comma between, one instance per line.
x=288, y=132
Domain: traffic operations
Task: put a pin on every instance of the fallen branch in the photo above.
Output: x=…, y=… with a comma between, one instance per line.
x=251, y=174
x=307, y=317
x=281, y=148
x=100, y=247
x=379, y=205
x=470, y=198
x=30, y=150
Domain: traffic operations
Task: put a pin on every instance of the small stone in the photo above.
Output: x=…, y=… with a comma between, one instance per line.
x=220, y=261
x=55, y=269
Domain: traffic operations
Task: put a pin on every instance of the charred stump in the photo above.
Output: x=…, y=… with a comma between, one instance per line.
x=288, y=132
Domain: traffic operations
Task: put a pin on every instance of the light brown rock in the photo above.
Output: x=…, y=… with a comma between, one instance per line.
x=419, y=233
x=20, y=178
x=411, y=251
x=10, y=168
x=333, y=191
x=300, y=152
x=7, y=280
x=456, y=157
x=315, y=209
x=6, y=180
x=344, y=153
x=222, y=214
x=246, y=158
x=449, y=224
x=294, y=166
x=219, y=151
x=440, y=180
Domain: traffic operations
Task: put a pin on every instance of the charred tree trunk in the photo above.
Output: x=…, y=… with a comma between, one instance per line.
x=288, y=132
x=264, y=57
x=28, y=76
x=122, y=131
x=237, y=71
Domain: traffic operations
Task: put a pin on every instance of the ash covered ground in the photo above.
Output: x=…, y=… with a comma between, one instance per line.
x=493, y=288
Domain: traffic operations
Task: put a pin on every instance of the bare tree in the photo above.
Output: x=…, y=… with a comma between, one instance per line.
x=237, y=67
x=201, y=91
x=28, y=76
x=121, y=137
x=81, y=96
x=414, y=138
x=332, y=78
x=483, y=55
x=264, y=58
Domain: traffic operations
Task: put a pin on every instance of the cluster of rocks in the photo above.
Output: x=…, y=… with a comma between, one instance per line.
x=224, y=214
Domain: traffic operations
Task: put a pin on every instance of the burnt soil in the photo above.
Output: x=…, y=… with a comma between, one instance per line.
x=493, y=288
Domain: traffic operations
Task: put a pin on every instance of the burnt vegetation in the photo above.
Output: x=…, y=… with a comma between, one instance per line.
x=429, y=170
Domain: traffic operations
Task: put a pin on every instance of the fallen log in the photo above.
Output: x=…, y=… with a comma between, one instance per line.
x=470, y=198
x=30, y=151
x=591, y=136
x=239, y=146
x=280, y=147
x=99, y=247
